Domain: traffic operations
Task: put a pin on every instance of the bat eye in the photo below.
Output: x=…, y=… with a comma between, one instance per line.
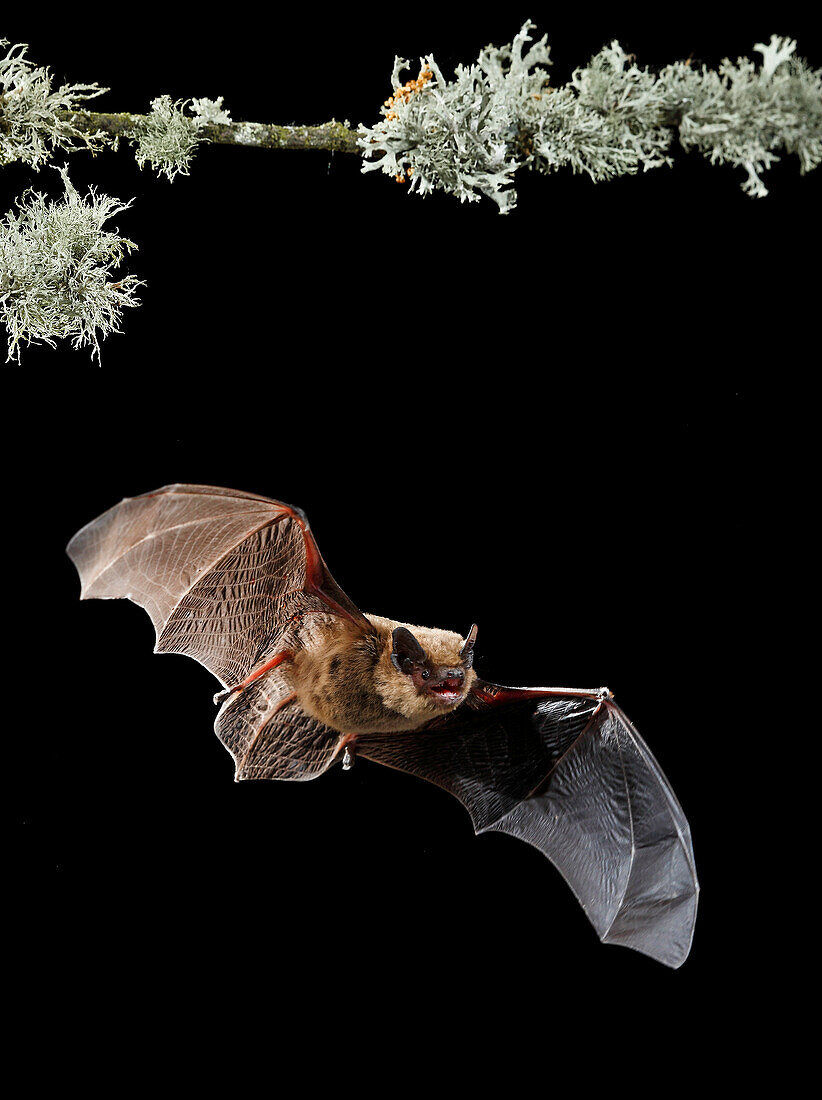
x=425, y=674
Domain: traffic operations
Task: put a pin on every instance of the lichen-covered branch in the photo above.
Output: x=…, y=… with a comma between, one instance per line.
x=469, y=136
x=36, y=120
x=331, y=136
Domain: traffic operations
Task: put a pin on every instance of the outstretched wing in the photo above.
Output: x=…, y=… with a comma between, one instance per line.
x=566, y=771
x=221, y=573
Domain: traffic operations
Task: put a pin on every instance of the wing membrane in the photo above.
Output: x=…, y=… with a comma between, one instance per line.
x=569, y=774
x=220, y=573
x=271, y=737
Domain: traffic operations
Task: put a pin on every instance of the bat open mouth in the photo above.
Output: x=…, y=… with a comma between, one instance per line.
x=448, y=690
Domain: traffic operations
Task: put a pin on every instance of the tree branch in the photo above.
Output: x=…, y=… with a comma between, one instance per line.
x=332, y=136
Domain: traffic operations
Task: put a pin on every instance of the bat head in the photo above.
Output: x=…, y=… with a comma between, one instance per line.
x=432, y=670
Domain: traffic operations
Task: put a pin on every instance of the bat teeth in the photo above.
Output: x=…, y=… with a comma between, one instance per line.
x=446, y=694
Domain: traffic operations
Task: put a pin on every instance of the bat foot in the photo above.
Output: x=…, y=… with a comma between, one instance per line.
x=348, y=759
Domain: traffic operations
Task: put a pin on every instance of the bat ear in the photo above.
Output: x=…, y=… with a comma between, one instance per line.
x=405, y=648
x=467, y=651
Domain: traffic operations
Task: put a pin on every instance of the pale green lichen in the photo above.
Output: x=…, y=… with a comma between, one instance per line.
x=248, y=133
x=454, y=136
x=469, y=136
x=741, y=114
x=56, y=263
x=210, y=110
x=168, y=137
x=31, y=128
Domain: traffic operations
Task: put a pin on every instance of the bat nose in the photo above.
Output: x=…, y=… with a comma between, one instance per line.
x=453, y=674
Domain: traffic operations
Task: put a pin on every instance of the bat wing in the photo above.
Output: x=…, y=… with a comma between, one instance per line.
x=566, y=771
x=271, y=737
x=224, y=577
x=222, y=574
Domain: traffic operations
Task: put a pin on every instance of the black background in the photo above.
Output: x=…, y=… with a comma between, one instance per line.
x=567, y=425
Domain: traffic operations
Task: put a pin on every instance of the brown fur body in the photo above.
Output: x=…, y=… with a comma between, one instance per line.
x=345, y=677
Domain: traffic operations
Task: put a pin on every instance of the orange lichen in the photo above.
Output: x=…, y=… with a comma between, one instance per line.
x=402, y=95
x=411, y=87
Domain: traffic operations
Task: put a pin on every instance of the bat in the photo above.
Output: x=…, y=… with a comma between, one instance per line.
x=237, y=581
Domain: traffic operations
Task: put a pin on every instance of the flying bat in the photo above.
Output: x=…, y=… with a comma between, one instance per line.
x=236, y=581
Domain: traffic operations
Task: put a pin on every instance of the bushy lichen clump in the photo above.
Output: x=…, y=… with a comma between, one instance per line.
x=167, y=138
x=31, y=128
x=743, y=114
x=56, y=263
x=470, y=135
